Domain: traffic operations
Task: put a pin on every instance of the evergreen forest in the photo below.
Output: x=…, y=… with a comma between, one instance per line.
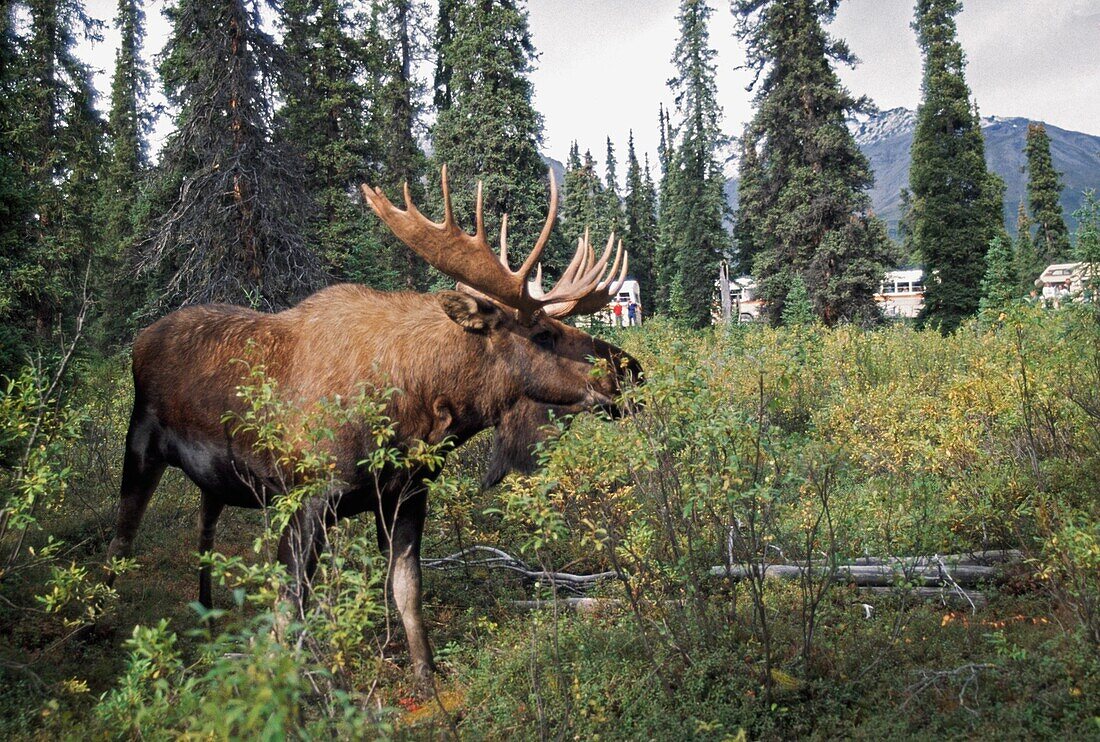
x=779, y=511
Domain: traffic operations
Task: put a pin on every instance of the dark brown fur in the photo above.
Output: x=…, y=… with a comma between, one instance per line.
x=462, y=365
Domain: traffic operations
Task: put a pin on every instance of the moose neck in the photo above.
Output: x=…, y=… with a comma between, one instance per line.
x=402, y=341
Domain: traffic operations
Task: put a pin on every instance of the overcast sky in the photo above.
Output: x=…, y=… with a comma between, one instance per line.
x=604, y=64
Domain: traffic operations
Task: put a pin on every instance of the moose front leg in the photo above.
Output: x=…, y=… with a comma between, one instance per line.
x=300, y=547
x=402, y=548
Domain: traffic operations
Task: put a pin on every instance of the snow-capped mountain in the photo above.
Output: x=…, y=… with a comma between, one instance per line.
x=886, y=138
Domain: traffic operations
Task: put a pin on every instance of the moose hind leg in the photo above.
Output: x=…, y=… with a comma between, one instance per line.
x=141, y=473
x=404, y=555
x=209, y=512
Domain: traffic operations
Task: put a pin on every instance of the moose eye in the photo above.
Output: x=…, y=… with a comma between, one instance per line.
x=544, y=339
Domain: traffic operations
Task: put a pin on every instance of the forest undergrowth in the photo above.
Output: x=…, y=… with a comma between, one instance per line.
x=753, y=446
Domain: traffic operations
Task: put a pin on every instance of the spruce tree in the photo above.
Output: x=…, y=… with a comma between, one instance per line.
x=955, y=202
x=325, y=121
x=579, y=211
x=395, y=120
x=696, y=202
x=1028, y=265
x=1087, y=244
x=640, y=236
x=17, y=195
x=490, y=130
x=807, y=212
x=1044, y=191
x=233, y=200
x=60, y=137
x=611, y=205
x=444, y=35
x=1000, y=284
x=664, y=264
x=751, y=202
x=128, y=124
x=798, y=311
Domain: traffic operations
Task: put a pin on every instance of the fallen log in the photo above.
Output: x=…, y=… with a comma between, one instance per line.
x=987, y=557
x=947, y=596
x=578, y=605
x=498, y=559
x=957, y=571
x=872, y=575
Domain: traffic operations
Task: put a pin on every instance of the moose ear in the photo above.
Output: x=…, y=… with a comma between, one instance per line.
x=468, y=311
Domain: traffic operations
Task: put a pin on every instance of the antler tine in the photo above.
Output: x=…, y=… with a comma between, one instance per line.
x=504, y=245
x=619, y=254
x=479, y=216
x=596, y=271
x=547, y=227
x=618, y=284
x=574, y=266
x=448, y=214
x=536, y=283
x=597, y=297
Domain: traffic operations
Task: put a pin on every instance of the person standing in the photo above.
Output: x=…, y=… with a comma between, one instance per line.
x=617, y=314
x=632, y=313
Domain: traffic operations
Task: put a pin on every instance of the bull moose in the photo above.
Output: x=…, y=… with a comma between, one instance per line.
x=493, y=353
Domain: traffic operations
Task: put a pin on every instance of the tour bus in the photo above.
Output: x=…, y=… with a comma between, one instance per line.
x=1063, y=281
x=745, y=305
x=900, y=294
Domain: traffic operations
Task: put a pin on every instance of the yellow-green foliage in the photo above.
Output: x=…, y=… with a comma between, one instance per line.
x=751, y=444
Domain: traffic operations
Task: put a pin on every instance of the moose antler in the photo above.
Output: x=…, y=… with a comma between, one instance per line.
x=469, y=260
x=599, y=296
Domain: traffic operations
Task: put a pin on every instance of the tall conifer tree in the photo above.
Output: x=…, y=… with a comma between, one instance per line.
x=60, y=135
x=490, y=130
x=1000, y=284
x=1044, y=191
x=394, y=122
x=806, y=212
x=696, y=200
x=234, y=200
x=325, y=121
x=751, y=201
x=17, y=253
x=955, y=202
x=444, y=35
x=1028, y=264
x=127, y=124
x=640, y=236
x=580, y=209
x=664, y=264
x=611, y=205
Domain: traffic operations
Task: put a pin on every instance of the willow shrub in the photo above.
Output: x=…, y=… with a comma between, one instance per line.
x=810, y=445
x=273, y=674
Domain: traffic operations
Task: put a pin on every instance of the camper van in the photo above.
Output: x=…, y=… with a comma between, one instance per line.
x=629, y=292
x=1062, y=282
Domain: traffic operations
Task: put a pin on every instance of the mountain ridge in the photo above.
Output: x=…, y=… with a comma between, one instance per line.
x=886, y=138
